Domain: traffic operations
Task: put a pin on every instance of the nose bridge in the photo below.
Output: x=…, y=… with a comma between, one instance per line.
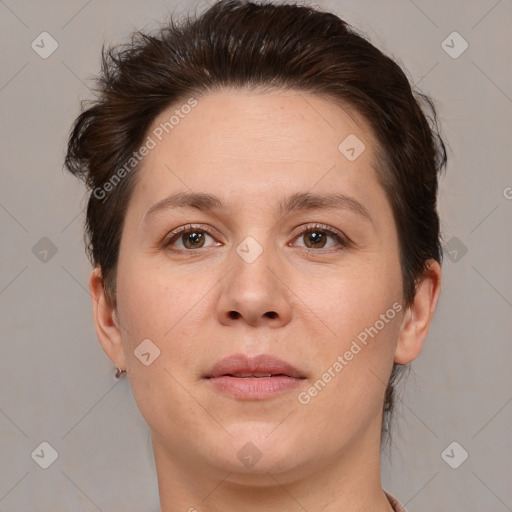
x=255, y=246
x=253, y=258
x=253, y=291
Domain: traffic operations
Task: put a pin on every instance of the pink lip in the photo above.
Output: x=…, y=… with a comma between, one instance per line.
x=226, y=376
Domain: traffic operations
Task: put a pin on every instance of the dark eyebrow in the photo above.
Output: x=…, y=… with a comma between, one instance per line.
x=187, y=200
x=296, y=202
x=332, y=201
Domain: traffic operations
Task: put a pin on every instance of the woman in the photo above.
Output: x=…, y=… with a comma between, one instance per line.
x=265, y=240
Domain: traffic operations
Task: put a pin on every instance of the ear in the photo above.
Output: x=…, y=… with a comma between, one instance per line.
x=105, y=320
x=418, y=316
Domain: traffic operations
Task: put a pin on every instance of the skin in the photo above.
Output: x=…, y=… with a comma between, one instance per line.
x=252, y=149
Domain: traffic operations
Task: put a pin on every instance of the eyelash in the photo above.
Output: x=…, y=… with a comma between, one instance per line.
x=343, y=240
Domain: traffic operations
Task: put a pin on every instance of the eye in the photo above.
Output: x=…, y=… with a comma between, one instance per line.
x=194, y=237
x=316, y=235
x=191, y=237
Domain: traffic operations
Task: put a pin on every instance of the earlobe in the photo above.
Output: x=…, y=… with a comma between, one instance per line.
x=105, y=320
x=418, y=317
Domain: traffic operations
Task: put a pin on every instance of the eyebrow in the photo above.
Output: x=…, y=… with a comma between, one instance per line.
x=296, y=202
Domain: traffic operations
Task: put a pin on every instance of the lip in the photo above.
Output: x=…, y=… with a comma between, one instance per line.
x=254, y=377
x=242, y=364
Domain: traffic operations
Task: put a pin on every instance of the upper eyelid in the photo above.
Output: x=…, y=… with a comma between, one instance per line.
x=190, y=227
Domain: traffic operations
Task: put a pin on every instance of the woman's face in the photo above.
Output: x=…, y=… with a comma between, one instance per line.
x=261, y=271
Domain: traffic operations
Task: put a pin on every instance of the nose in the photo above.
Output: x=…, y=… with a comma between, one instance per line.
x=255, y=292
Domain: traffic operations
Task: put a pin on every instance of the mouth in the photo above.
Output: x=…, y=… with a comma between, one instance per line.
x=255, y=375
x=260, y=366
x=253, y=378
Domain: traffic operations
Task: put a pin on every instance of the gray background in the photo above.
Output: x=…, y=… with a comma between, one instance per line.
x=56, y=383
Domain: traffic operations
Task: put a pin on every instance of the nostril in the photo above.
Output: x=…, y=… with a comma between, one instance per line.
x=271, y=314
x=234, y=314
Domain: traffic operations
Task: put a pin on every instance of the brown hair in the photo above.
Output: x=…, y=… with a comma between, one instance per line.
x=243, y=44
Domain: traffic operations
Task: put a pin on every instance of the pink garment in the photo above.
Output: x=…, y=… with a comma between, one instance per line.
x=394, y=503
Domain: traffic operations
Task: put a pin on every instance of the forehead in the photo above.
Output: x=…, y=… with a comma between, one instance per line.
x=237, y=141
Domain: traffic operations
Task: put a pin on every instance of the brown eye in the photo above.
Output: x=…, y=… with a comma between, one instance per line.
x=189, y=239
x=316, y=237
x=193, y=239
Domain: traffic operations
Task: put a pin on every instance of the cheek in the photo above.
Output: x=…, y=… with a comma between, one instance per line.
x=166, y=306
x=159, y=309
x=354, y=363
x=148, y=302
x=356, y=297
x=363, y=312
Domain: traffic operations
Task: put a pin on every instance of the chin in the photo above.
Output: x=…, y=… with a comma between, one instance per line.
x=258, y=449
